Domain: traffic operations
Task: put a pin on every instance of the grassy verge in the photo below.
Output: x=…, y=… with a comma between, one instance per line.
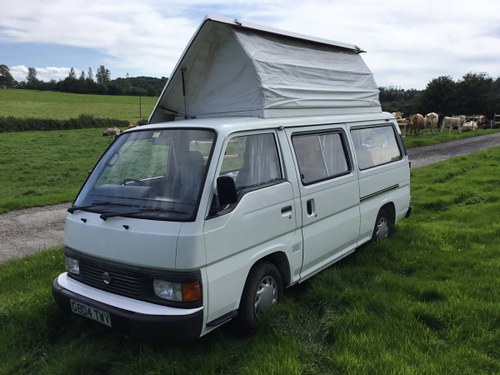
x=424, y=302
x=58, y=105
x=428, y=139
x=42, y=168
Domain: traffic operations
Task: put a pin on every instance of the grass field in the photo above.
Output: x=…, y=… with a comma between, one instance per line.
x=42, y=168
x=58, y=105
x=426, y=301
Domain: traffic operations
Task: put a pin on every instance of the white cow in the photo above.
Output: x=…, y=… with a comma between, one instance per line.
x=398, y=115
x=453, y=122
x=431, y=121
x=470, y=125
x=111, y=131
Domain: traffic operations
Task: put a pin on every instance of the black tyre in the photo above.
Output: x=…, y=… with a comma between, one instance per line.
x=382, y=228
x=263, y=289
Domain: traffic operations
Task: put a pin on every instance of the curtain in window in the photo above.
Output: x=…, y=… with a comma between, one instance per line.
x=334, y=155
x=261, y=163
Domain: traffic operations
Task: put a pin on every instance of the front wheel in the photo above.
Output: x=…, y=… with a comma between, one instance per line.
x=382, y=228
x=263, y=289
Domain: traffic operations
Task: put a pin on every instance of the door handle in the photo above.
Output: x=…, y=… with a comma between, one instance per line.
x=286, y=209
x=310, y=207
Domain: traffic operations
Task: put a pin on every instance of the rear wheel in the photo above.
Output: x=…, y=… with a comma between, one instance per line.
x=382, y=228
x=263, y=289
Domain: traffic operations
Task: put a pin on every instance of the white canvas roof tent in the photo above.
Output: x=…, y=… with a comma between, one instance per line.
x=234, y=69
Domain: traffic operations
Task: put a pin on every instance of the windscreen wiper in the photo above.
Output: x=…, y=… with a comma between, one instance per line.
x=83, y=208
x=97, y=204
x=107, y=215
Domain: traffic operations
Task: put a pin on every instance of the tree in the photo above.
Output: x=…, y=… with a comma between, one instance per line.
x=90, y=75
x=72, y=74
x=496, y=96
x=394, y=99
x=474, y=94
x=6, y=79
x=31, y=81
x=438, y=96
x=103, y=75
x=82, y=76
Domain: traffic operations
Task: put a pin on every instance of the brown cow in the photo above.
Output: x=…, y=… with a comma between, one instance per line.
x=416, y=122
x=481, y=121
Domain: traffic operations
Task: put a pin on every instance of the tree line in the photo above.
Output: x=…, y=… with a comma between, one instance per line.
x=473, y=94
x=86, y=83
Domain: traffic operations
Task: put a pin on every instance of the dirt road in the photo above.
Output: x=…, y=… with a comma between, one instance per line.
x=27, y=231
x=423, y=156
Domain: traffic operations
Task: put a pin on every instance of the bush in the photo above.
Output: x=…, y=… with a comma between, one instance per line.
x=13, y=124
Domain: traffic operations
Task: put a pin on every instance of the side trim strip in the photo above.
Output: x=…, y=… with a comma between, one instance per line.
x=224, y=318
x=380, y=192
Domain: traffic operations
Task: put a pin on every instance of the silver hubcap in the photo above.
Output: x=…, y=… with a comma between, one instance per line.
x=382, y=230
x=266, y=296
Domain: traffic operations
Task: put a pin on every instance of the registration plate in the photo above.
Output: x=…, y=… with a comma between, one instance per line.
x=90, y=312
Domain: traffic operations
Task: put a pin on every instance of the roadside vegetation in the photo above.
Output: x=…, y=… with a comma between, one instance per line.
x=428, y=139
x=426, y=301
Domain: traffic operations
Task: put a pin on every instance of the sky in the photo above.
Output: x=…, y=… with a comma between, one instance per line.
x=408, y=42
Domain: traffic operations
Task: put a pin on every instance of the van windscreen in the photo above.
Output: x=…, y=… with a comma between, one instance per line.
x=154, y=174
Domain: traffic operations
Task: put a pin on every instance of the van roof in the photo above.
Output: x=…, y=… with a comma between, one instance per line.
x=227, y=125
x=232, y=68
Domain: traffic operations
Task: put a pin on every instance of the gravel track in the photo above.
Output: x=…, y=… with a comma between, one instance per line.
x=27, y=231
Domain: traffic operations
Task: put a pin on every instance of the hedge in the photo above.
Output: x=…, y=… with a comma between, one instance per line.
x=14, y=124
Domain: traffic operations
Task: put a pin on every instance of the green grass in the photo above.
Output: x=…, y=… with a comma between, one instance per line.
x=43, y=168
x=428, y=139
x=58, y=105
x=427, y=301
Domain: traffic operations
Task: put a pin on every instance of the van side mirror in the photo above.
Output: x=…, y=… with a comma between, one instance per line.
x=226, y=190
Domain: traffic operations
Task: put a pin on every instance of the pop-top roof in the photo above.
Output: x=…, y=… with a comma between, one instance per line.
x=231, y=68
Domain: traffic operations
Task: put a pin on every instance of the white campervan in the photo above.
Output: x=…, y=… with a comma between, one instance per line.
x=266, y=159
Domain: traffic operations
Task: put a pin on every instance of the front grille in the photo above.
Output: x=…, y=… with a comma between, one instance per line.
x=123, y=282
x=129, y=281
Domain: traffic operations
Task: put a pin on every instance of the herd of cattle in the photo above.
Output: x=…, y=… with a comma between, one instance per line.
x=433, y=122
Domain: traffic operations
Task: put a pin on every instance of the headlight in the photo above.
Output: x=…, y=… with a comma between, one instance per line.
x=185, y=292
x=72, y=265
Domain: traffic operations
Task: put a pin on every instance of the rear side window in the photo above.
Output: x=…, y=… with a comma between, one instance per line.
x=375, y=146
x=320, y=156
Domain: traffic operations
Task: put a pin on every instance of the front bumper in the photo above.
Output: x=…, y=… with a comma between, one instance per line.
x=181, y=325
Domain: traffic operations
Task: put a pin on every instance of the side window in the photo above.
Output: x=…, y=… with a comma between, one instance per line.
x=320, y=156
x=375, y=146
x=252, y=160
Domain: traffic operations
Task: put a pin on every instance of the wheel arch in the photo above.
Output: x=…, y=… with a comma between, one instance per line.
x=280, y=260
x=390, y=208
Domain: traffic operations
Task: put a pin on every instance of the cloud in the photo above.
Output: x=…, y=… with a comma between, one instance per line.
x=19, y=73
x=408, y=43
x=424, y=38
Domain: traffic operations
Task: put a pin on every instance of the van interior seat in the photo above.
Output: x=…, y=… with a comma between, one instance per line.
x=188, y=176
